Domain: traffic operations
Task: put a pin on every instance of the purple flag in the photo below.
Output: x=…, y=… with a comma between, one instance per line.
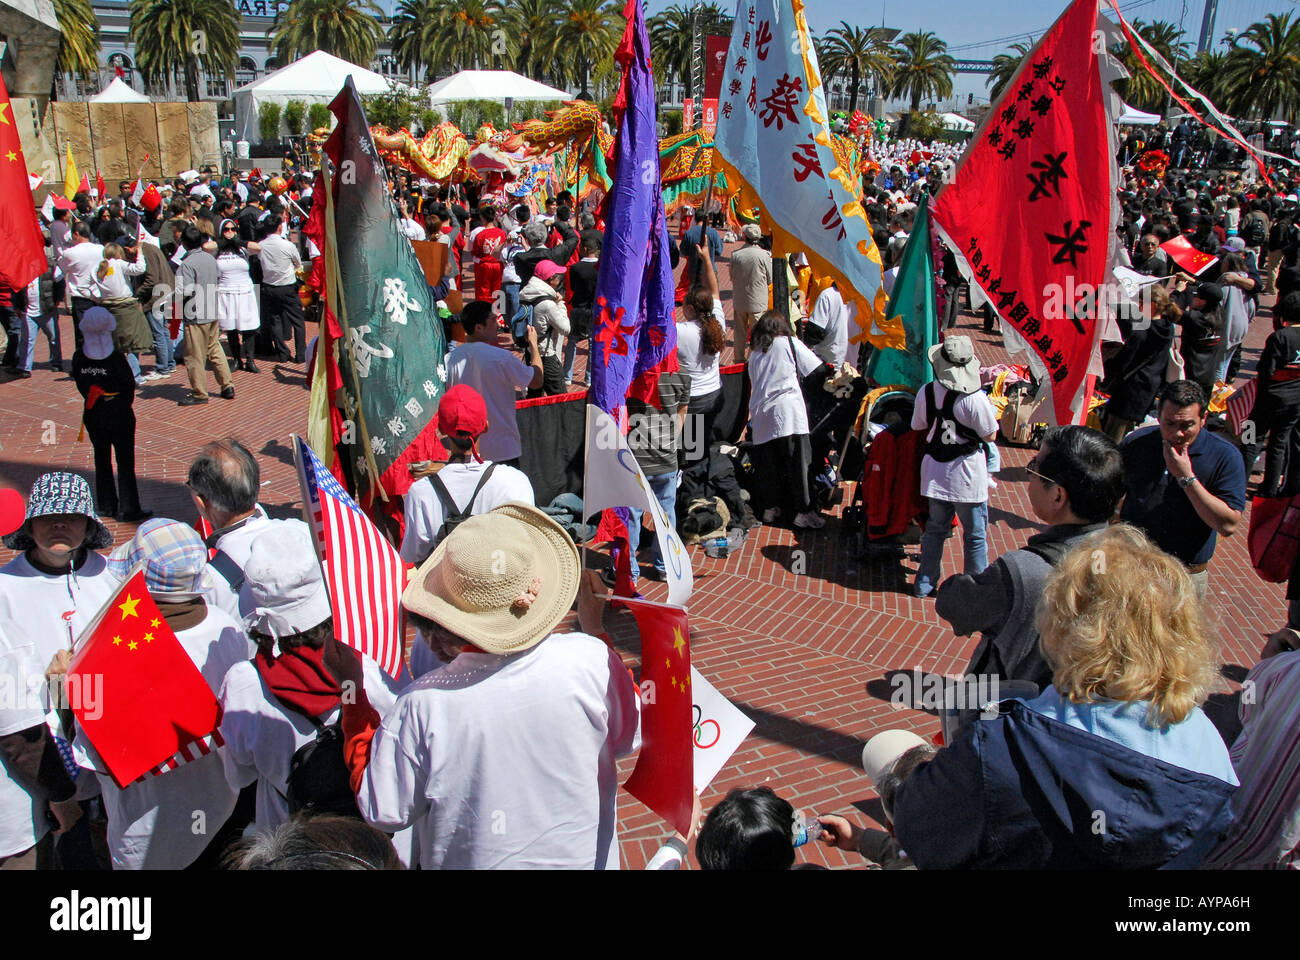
x=634, y=328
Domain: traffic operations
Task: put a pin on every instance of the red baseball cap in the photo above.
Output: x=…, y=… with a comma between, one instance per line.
x=462, y=413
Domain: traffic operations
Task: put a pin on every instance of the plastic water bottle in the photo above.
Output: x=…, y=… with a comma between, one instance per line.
x=806, y=830
x=718, y=547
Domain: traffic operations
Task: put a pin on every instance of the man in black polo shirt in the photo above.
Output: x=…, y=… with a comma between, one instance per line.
x=1185, y=485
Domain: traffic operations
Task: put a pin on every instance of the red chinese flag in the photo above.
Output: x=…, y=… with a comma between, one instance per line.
x=1187, y=257
x=664, y=778
x=84, y=185
x=24, y=258
x=1030, y=206
x=99, y=184
x=155, y=701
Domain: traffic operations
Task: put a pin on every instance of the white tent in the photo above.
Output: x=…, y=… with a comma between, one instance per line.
x=316, y=78
x=955, y=121
x=119, y=92
x=1136, y=117
x=491, y=85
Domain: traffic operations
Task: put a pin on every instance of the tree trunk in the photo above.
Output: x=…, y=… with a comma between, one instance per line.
x=192, y=81
x=853, y=94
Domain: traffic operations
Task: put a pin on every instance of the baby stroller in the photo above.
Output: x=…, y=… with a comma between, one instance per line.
x=887, y=499
x=832, y=415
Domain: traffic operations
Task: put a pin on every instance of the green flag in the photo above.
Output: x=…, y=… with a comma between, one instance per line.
x=912, y=301
x=391, y=361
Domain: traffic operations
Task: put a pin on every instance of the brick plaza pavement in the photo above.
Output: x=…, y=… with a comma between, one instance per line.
x=804, y=654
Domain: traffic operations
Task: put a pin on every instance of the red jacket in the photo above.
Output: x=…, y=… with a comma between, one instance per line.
x=891, y=481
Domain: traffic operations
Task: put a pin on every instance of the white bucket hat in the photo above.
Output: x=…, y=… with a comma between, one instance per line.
x=955, y=364
x=501, y=580
x=883, y=750
x=284, y=582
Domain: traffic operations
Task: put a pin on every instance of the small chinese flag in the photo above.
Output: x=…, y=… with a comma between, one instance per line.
x=664, y=777
x=154, y=702
x=99, y=184
x=1188, y=257
x=24, y=258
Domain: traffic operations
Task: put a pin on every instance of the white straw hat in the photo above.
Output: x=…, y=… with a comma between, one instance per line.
x=501, y=580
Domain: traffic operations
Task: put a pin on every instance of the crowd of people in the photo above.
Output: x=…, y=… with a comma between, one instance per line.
x=496, y=744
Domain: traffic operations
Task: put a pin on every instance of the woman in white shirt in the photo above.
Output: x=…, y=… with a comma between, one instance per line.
x=700, y=339
x=778, y=420
x=132, y=333
x=237, y=310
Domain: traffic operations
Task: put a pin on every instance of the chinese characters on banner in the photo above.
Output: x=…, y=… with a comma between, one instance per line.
x=1030, y=207
x=773, y=142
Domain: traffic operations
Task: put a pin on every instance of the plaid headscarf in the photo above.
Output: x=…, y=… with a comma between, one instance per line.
x=173, y=555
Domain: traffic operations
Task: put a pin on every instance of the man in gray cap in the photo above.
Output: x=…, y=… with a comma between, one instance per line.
x=751, y=274
x=958, y=420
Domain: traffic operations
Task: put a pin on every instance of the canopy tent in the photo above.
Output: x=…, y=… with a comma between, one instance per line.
x=1135, y=117
x=316, y=78
x=119, y=92
x=495, y=85
x=955, y=121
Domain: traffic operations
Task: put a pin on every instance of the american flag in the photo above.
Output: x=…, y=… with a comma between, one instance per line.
x=1240, y=404
x=186, y=754
x=363, y=572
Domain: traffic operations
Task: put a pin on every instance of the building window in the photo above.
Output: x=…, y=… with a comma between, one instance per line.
x=87, y=86
x=217, y=88
x=272, y=64
x=246, y=71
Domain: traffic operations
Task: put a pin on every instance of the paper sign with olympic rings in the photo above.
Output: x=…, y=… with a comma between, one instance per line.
x=718, y=728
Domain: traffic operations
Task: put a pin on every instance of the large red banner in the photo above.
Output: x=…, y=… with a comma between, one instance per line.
x=1030, y=206
x=715, y=64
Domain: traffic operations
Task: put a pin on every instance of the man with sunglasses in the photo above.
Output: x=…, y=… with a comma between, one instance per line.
x=1076, y=482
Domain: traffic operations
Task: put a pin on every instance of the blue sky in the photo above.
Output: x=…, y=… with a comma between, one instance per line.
x=981, y=29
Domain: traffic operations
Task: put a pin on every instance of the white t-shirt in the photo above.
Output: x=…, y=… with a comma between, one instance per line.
x=776, y=404
x=508, y=761
x=411, y=230
x=496, y=374
x=152, y=825
x=830, y=313
x=79, y=262
x=237, y=545
x=966, y=479
x=702, y=367
x=23, y=703
x=54, y=609
x=424, y=513
x=262, y=735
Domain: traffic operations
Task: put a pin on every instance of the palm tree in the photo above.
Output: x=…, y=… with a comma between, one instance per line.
x=588, y=31
x=174, y=37
x=530, y=26
x=413, y=34
x=1141, y=89
x=1205, y=72
x=673, y=32
x=79, y=40
x=923, y=68
x=863, y=53
x=471, y=33
x=1264, y=79
x=1005, y=66
x=348, y=29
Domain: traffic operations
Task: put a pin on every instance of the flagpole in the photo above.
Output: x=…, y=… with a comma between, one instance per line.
x=333, y=280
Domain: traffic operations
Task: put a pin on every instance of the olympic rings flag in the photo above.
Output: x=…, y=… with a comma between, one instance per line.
x=719, y=729
x=613, y=478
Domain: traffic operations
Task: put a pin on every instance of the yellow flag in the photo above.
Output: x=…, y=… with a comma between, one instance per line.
x=70, y=178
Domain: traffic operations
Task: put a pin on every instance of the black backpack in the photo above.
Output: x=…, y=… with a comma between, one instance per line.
x=454, y=516
x=319, y=779
x=1253, y=232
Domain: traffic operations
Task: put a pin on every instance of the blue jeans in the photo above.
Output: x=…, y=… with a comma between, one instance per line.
x=45, y=324
x=974, y=521
x=570, y=354
x=511, y=291
x=163, y=355
x=133, y=362
x=1221, y=374
x=664, y=487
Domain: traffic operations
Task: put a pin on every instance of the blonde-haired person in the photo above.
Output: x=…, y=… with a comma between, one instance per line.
x=131, y=333
x=1115, y=765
